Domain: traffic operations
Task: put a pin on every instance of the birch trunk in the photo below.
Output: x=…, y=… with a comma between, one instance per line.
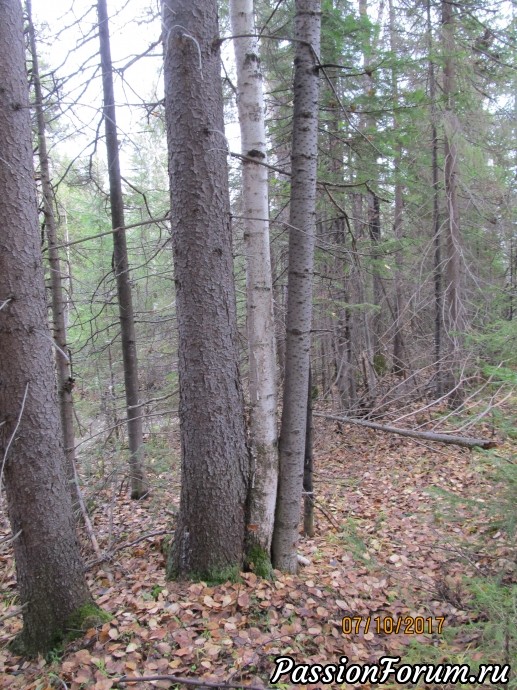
x=260, y=317
x=50, y=576
x=299, y=301
x=121, y=266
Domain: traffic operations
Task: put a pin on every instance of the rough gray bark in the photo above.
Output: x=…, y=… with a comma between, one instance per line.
x=345, y=376
x=299, y=301
x=437, y=241
x=342, y=336
x=259, y=307
x=139, y=485
x=308, y=468
x=454, y=312
x=63, y=369
x=374, y=216
x=356, y=281
x=374, y=229
x=209, y=540
x=51, y=581
x=398, y=338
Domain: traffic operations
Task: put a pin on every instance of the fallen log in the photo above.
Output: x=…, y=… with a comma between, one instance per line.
x=425, y=435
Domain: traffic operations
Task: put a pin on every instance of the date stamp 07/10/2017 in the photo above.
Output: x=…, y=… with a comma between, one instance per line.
x=388, y=625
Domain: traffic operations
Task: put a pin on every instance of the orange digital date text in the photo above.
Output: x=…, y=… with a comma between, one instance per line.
x=387, y=625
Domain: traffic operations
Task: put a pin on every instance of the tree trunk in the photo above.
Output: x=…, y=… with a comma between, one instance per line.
x=345, y=376
x=454, y=313
x=209, y=540
x=398, y=338
x=51, y=581
x=374, y=229
x=308, y=469
x=299, y=301
x=437, y=242
x=65, y=382
x=260, y=318
x=139, y=485
x=356, y=281
x=374, y=216
x=342, y=335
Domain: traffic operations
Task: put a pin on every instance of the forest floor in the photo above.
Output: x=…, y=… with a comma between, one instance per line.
x=407, y=535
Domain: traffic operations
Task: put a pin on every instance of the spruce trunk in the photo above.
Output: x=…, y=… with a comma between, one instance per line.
x=454, y=310
x=209, y=539
x=302, y=235
x=139, y=485
x=51, y=582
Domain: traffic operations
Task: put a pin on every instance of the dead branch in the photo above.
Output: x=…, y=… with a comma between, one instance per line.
x=328, y=515
x=14, y=613
x=10, y=538
x=152, y=221
x=111, y=552
x=195, y=682
x=427, y=435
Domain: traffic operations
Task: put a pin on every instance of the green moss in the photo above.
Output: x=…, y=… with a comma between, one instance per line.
x=214, y=576
x=379, y=364
x=229, y=573
x=18, y=646
x=259, y=562
x=166, y=545
x=85, y=617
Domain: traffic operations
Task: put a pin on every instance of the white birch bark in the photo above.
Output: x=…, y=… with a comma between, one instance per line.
x=260, y=319
x=299, y=301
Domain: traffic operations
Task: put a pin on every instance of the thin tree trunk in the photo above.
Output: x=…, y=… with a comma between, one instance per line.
x=374, y=220
x=437, y=269
x=454, y=314
x=209, y=539
x=65, y=381
x=260, y=317
x=308, y=469
x=398, y=339
x=374, y=228
x=139, y=485
x=299, y=302
x=366, y=355
x=345, y=375
x=50, y=577
x=278, y=312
